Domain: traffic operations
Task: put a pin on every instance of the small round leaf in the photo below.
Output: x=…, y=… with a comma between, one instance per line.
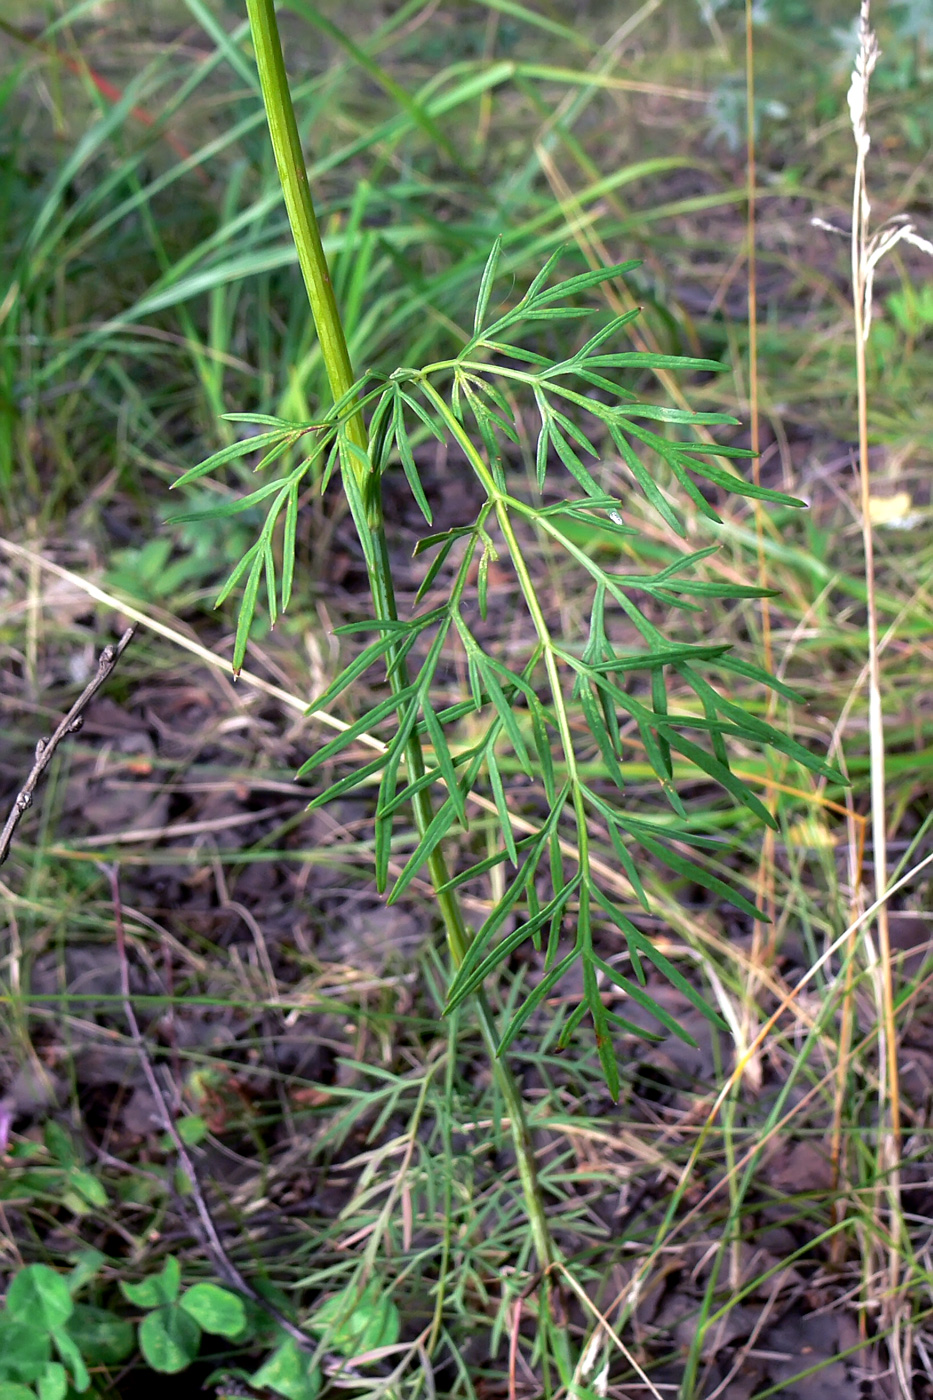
x=216, y=1309
x=24, y=1350
x=102, y=1338
x=153, y=1292
x=288, y=1372
x=39, y=1296
x=169, y=1339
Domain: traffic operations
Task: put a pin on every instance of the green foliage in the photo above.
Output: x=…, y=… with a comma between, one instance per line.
x=36, y=1347
x=53, y=1171
x=351, y=1321
x=545, y=716
x=215, y=1310
x=289, y=1372
x=727, y=109
x=158, y=1291
x=169, y=1339
x=912, y=309
x=914, y=21
x=48, y=1342
x=170, y=1333
x=102, y=1337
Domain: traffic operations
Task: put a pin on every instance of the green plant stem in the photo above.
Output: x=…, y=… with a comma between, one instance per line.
x=293, y=177
x=366, y=507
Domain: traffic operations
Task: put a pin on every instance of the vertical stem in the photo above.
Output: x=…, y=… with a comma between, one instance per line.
x=762, y=951
x=861, y=211
x=751, y=177
x=763, y=930
x=838, y=1144
x=289, y=158
x=293, y=177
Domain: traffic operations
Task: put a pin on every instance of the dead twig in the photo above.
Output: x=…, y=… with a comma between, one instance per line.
x=45, y=749
x=210, y=1236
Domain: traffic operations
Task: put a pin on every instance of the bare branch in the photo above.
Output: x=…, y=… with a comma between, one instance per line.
x=45, y=749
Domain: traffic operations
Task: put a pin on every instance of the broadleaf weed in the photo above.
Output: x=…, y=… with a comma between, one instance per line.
x=50, y=1344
